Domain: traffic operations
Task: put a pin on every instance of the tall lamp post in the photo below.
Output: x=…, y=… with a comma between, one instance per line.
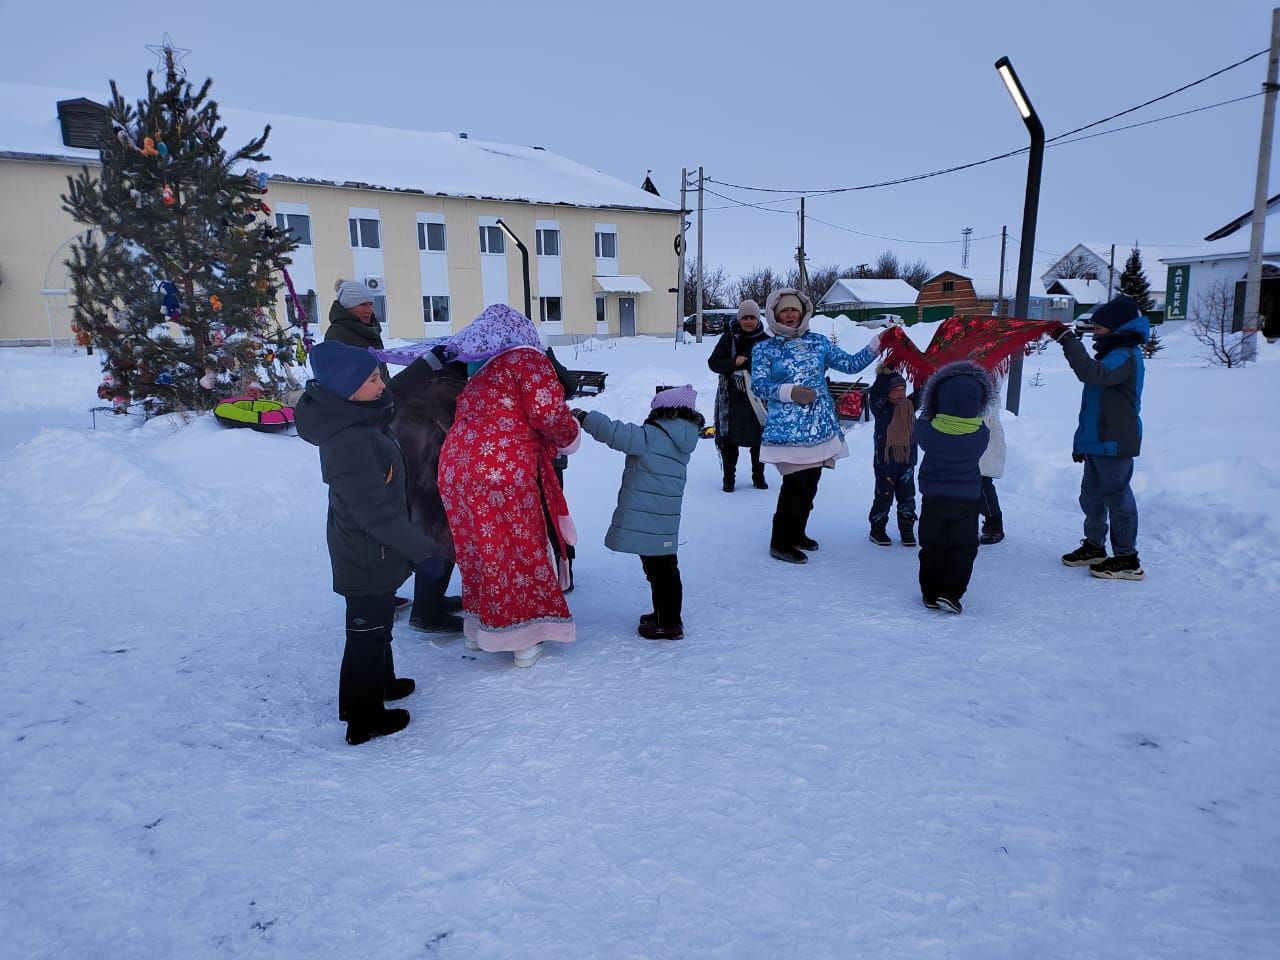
x=524, y=254
x=1030, y=206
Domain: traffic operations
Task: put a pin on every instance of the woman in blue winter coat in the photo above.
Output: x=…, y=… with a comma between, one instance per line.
x=802, y=434
x=647, y=518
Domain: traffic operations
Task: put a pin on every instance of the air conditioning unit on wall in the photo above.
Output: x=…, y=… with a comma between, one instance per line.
x=376, y=284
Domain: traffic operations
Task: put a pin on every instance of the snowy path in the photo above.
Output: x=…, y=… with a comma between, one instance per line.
x=822, y=768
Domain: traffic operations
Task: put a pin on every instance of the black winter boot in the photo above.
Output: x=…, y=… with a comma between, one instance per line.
x=364, y=728
x=906, y=530
x=992, y=529
x=880, y=536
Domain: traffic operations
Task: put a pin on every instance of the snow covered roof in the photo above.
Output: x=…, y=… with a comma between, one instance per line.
x=1080, y=290
x=356, y=155
x=879, y=293
x=1245, y=219
x=1232, y=244
x=623, y=284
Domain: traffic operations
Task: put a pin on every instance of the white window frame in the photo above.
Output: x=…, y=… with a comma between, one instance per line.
x=424, y=236
x=600, y=255
x=542, y=310
x=429, y=310
x=283, y=223
x=356, y=225
x=540, y=240
x=487, y=233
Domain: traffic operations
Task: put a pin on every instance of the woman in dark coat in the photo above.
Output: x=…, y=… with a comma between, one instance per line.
x=426, y=396
x=737, y=424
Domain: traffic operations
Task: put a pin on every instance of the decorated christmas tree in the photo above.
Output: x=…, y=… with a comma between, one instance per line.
x=1133, y=281
x=176, y=282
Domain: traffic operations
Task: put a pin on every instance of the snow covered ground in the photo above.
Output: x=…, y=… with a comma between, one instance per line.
x=822, y=768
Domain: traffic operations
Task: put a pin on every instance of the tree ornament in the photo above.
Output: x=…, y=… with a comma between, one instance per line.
x=210, y=378
x=269, y=356
x=165, y=379
x=171, y=306
x=167, y=196
x=262, y=285
x=262, y=182
x=138, y=198
x=162, y=149
x=149, y=148
x=215, y=303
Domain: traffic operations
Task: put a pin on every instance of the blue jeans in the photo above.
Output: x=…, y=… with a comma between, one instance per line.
x=1105, y=493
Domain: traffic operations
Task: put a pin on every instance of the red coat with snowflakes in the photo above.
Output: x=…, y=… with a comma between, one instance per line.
x=495, y=475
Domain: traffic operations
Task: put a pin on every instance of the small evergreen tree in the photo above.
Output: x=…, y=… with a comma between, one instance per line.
x=1152, y=345
x=176, y=283
x=1133, y=281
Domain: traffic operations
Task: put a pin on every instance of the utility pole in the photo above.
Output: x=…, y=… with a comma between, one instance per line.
x=1004, y=240
x=1253, y=277
x=698, y=337
x=680, y=248
x=1111, y=271
x=966, y=233
x=802, y=275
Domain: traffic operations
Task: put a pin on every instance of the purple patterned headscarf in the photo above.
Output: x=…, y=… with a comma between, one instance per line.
x=497, y=329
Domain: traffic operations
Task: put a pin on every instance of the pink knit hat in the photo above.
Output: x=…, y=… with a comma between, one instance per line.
x=684, y=396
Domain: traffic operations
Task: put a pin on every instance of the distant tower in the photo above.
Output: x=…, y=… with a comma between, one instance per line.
x=967, y=232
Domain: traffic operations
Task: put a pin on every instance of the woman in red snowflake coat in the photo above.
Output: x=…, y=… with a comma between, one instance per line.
x=499, y=488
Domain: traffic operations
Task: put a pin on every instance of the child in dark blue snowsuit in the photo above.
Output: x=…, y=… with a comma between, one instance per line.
x=953, y=437
x=893, y=457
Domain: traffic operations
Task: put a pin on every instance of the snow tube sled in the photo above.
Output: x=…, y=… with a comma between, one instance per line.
x=268, y=416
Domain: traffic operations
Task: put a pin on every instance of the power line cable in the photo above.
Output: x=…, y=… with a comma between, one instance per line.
x=1005, y=155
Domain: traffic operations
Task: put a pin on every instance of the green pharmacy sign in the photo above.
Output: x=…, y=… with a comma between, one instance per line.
x=1176, y=291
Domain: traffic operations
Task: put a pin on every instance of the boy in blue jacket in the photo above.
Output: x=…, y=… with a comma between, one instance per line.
x=647, y=518
x=953, y=437
x=1109, y=437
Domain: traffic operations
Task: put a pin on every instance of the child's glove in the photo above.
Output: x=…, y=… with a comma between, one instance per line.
x=1061, y=333
x=578, y=415
x=1077, y=458
x=803, y=394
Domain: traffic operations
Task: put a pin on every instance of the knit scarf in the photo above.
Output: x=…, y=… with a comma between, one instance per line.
x=897, y=438
x=955, y=426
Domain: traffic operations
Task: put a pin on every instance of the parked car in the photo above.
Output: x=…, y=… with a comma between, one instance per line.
x=1083, y=323
x=882, y=320
x=714, y=321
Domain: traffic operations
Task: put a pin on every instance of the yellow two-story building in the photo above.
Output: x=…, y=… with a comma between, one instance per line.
x=413, y=214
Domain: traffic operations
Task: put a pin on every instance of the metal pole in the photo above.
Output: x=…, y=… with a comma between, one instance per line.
x=802, y=275
x=1030, y=208
x=684, y=186
x=524, y=256
x=1253, y=277
x=1004, y=240
x=698, y=337
x=1111, y=272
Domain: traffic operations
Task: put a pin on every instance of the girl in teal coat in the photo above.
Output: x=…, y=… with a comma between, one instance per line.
x=647, y=518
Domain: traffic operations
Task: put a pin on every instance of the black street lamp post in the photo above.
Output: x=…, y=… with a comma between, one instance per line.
x=1030, y=207
x=524, y=254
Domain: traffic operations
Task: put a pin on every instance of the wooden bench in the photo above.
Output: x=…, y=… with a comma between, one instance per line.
x=586, y=383
x=838, y=388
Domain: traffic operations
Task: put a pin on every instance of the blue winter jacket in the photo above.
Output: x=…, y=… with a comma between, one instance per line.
x=1111, y=402
x=647, y=518
x=802, y=361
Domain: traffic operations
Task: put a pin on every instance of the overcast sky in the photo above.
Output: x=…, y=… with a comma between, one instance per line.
x=805, y=95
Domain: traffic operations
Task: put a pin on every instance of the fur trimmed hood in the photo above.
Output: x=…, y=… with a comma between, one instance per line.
x=963, y=386
x=777, y=329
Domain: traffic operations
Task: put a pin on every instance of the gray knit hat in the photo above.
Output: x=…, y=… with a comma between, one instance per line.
x=748, y=308
x=351, y=293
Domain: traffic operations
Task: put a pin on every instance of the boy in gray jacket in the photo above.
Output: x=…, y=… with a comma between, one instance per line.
x=647, y=518
x=372, y=544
